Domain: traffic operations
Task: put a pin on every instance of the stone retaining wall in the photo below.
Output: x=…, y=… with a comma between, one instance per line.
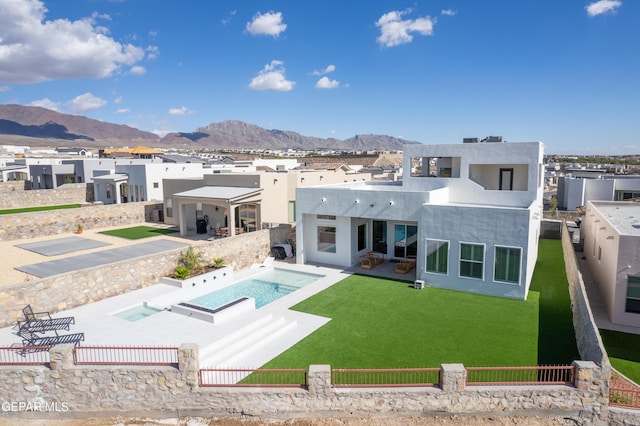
x=52, y=222
x=15, y=195
x=66, y=291
x=588, y=337
x=98, y=390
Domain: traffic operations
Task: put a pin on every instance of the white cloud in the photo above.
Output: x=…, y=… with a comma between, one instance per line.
x=602, y=6
x=85, y=102
x=4, y=89
x=152, y=52
x=183, y=110
x=326, y=83
x=271, y=77
x=269, y=23
x=327, y=70
x=36, y=50
x=46, y=103
x=448, y=12
x=118, y=100
x=395, y=31
x=137, y=70
x=122, y=110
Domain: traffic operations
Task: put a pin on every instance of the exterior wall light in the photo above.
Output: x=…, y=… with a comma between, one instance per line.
x=357, y=201
x=323, y=199
x=371, y=205
x=390, y=203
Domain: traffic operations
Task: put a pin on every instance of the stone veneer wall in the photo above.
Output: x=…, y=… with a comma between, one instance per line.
x=588, y=337
x=84, y=391
x=52, y=222
x=66, y=291
x=13, y=195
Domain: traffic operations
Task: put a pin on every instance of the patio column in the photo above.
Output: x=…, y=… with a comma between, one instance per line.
x=231, y=219
x=182, y=211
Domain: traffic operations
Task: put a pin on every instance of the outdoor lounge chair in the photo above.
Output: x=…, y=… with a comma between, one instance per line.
x=405, y=266
x=30, y=339
x=267, y=262
x=41, y=325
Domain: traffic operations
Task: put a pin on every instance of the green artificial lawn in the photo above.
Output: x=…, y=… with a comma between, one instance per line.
x=39, y=209
x=382, y=323
x=557, y=339
x=623, y=352
x=138, y=232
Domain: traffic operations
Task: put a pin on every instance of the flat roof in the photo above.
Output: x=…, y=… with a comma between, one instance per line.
x=220, y=192
x=624, y=216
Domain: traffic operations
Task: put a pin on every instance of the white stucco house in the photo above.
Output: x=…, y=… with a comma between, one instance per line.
x=132, y=180
x=611, y=246
x=469, y=213
x=576, y=191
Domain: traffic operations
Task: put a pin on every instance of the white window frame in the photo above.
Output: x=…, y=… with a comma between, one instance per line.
x=484, y=258
x=495, y=258
x=426, y=262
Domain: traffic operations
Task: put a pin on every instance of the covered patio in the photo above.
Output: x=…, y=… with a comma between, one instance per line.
x=220, y=211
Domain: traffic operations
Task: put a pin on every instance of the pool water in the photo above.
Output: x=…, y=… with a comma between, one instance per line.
x=137, y=313
x=264, y=288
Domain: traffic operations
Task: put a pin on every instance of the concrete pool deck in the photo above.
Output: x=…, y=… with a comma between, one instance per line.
x=248, y=339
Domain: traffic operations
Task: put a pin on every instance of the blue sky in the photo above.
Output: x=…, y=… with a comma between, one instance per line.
x=564, y=72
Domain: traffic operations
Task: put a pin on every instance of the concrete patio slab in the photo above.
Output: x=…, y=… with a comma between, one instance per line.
x=62, y=246
x=90, y=260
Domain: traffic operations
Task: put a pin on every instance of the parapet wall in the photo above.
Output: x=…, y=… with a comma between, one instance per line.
x=52, y=222
x=15, y=195
x=106, y=390
x=66, y=291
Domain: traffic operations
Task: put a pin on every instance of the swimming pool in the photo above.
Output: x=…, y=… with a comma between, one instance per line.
x=264, y=288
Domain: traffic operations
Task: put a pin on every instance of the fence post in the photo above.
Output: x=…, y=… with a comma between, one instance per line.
x=453, y=377
x=320, y=379
x=188, y=363
x=61, y=357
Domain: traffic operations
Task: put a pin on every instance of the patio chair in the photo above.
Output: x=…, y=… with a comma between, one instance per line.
x=41, y=325
x=371, y=260
x=405, y=266
x=267, y=263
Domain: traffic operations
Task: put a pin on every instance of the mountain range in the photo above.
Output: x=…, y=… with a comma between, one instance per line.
x=37, y=126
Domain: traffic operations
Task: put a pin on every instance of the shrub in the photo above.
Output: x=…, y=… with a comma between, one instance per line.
x=218, y=262
x=181, y=273
x=190, y=259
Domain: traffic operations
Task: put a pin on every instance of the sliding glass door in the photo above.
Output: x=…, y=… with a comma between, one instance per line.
x=405, y=242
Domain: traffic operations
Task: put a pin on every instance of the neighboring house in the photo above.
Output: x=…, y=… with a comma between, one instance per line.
x=139, y=180
x=141, y=152
x=469, y=214
x=611, y=245
x=576, y=191
x=73, y=151
x=270, y=197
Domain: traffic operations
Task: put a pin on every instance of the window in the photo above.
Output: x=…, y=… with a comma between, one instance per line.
x=326, y=217
x=507, y=264
x=155, y=185
x=471, y=260
x=327, y=239
x=437, y=256
x=633, y=295
x=292, y=211
x=169, y=206
x=362, y=237
x=108, y=191
x=199, y=212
